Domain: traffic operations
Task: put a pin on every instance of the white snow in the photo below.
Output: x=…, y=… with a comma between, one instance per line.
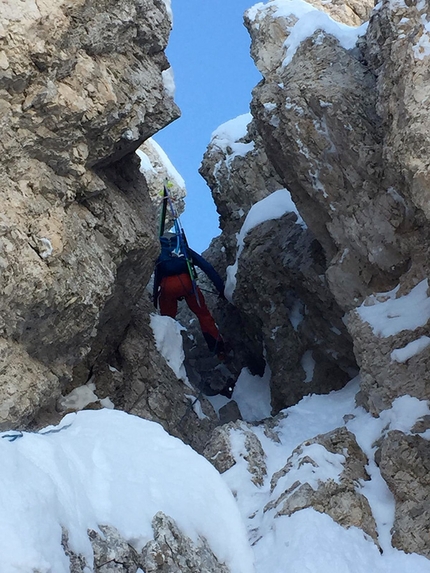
x=308, y=364
x=79, y=397
x=145, y=162
x=307, y=20
x=146, y=165
x=169, y=82
x=422, y=48
x=271, y=207
x=168, y=5
x=251, y=394
x=46, y=248
x=296, y=314
x=108, y=468
x=226, y=137
x=388, y=315
x=168, y=340
x=325, y=465
x=310, y=541
x=411, y=349
x=197, y=406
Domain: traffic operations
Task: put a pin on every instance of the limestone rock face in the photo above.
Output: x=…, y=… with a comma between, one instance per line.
x=344, y=126
x=237, y=180
x=397, y=49
x=170, y=551
x=283, y=307
x=219, y=450
x=404, y=464
x=338, y=496
x=281, y=285
x=173, y=552
x=393, y=362
x=269, y=27
x=150, y=388
x=81, y=86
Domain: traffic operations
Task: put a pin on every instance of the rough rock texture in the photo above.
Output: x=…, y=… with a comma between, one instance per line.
x=397, y=50
x=81, y=86
x=219, y=450
x=404, y=462
x=237, y=181
x=306, y=343
x=340, y=498
x=384, y=375
x=268, y=28
x=284, y=311
x=112, y=553
x=169, y=552
x=346, y=133
x=157, y=169
x=173, y=552
x=348, y=147
x=151, y=389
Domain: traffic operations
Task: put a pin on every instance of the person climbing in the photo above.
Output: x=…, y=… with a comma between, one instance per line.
x=172, y=282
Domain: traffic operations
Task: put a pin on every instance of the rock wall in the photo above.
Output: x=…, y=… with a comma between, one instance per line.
x=342, y=123
x=82, y=85
x=328, y=126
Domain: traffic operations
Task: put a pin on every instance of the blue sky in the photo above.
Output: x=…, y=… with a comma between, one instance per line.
x=214, y=75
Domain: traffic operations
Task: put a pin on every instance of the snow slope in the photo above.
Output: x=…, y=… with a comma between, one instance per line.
x=109, y=468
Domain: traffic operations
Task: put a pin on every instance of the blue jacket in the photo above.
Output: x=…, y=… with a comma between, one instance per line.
x=169, y=264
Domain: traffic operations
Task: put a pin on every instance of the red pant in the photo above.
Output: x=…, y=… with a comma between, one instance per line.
x=178, y=286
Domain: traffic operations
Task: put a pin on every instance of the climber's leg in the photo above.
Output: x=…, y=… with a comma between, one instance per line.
x=207, y=323
x=172, y=289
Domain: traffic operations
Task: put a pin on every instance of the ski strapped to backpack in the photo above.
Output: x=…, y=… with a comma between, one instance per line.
x=181, y=240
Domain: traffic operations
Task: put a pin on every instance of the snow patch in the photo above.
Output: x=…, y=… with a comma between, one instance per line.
x=388, y=315
x=168, y=340
x=168, y=5
x=422, y=48
x=228, y=135
x=169, y=82
x=411, y=349
x=312, y=464
x=252, y=395
x=308, y=364
x=108, y=467
x=307, y=20
x=146, y=165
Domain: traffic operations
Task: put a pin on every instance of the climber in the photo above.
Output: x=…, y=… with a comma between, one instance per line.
x=172, y=282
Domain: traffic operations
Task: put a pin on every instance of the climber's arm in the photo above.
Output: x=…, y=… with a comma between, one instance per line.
x=208, y=269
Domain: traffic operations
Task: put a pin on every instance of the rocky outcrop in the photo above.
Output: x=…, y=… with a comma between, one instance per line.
x=283, y=308
x=341, y=121
x=151, y=390
x=81, y=86
x=404, y=464
x=238, y=174
x=337, y=494
x=332, y=144
x=219, y=450
x=350, y=148
x=170, y=551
